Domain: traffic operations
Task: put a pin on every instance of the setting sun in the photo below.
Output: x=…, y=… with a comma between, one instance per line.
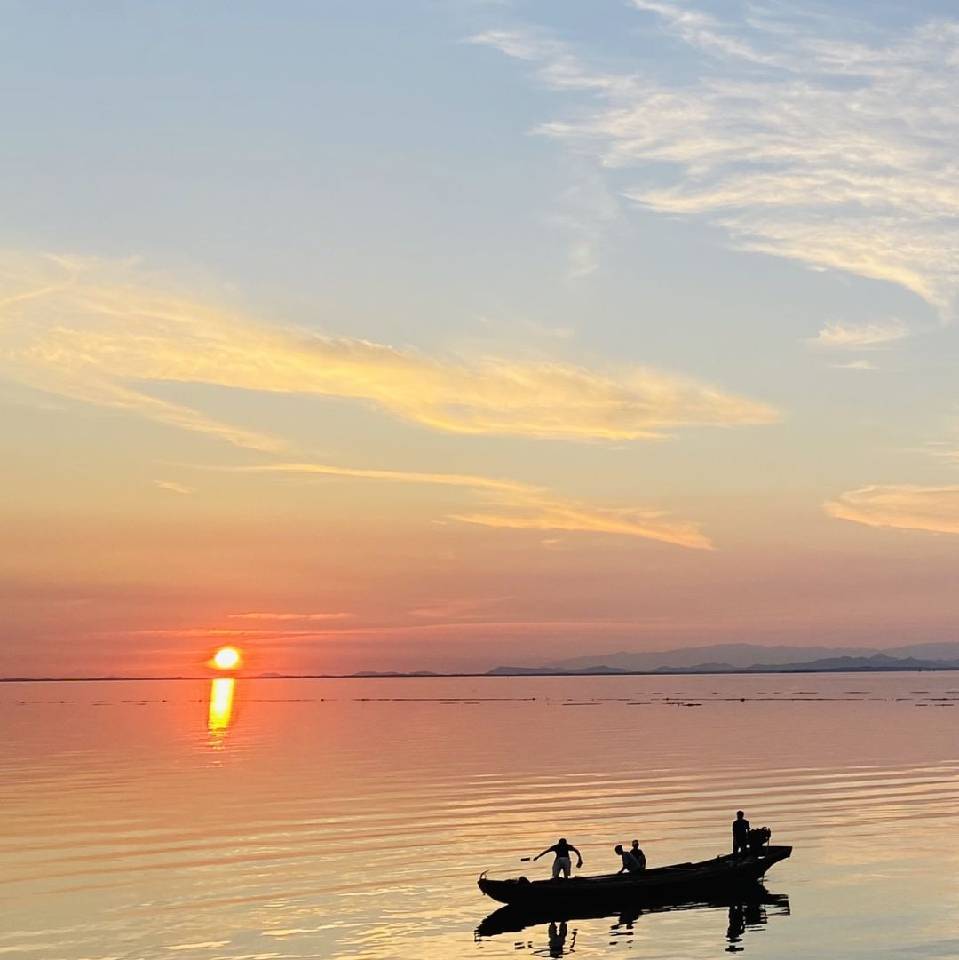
x=226, y=658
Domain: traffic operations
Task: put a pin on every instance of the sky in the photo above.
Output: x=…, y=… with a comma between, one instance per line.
x=443, y=335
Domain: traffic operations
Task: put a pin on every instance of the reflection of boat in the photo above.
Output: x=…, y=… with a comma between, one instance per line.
x=745, y=901
x=681, y=880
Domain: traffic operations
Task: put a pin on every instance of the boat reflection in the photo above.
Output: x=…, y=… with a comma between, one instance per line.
x=222, y=692
x=557, y=939
x=742, y=916
x=747, y=907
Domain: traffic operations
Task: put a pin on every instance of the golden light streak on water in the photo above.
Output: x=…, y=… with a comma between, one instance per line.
x=222, y=690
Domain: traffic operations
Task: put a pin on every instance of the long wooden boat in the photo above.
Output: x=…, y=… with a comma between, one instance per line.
x=615, y=889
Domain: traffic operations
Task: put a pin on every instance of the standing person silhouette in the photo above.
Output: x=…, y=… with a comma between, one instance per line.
x=562, y=862
x=740, y=833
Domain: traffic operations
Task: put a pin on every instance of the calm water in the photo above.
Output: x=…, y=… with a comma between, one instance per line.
x=350, y=818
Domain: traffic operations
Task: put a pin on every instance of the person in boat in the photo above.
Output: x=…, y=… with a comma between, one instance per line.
x=631, y=863
x=562, y=849
x=638, y=854
x=740, y=833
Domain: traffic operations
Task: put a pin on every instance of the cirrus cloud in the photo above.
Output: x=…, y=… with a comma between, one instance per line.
x=103, y=333
x=825, y=140
x=509, y=504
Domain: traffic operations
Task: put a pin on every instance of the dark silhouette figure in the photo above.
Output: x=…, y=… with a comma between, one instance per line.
x=631, y=863
x=740, y=833
x=736, y=928
x=561, y=864
x=557, y=938
x=622, y=930
x=758, y=837
x=638, y=854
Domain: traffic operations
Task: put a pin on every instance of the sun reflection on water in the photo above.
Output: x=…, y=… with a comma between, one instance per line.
x=222, y=690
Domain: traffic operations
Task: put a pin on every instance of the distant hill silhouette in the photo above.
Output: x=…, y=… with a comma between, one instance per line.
x=749, y=658
x=395, y=673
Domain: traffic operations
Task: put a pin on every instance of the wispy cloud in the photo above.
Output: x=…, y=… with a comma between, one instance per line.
x=507, y=504
x=855, y=365
x=456, y=608
x=803, y=137
x=173, y=487
x=942, y=450
x=538, y=510
x=556, y=63
x=588, y=209
x=284, y=615
x=860, y=336
x=902, y=507
x=702, y=30
x=363, y=473
x=376, y=632
x=210, y=632
x=102, y=334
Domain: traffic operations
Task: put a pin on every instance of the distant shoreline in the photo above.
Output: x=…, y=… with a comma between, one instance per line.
x=492, y=676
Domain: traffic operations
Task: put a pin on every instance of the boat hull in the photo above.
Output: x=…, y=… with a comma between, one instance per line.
x=679, y=880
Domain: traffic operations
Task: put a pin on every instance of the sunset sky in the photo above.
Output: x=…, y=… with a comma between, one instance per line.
x=448, y=334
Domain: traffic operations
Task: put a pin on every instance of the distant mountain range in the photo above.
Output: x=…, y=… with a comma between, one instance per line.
x=721, y=658
x=750, y=658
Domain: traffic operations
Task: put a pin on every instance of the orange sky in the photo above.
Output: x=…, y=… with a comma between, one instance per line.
x=496, y=356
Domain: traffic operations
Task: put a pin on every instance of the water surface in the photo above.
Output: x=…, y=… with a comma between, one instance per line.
x=295, y=819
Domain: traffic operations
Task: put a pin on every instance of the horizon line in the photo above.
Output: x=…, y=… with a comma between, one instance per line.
x=488, y=675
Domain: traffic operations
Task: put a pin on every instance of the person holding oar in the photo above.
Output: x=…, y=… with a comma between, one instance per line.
x=562, y=864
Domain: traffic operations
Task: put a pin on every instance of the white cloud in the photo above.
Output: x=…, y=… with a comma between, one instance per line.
x=860, y=336
x=902, y=507
x=855, y=365
x=558, y=66
x=702, y=30
x=942, y=450
x=803, y=137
